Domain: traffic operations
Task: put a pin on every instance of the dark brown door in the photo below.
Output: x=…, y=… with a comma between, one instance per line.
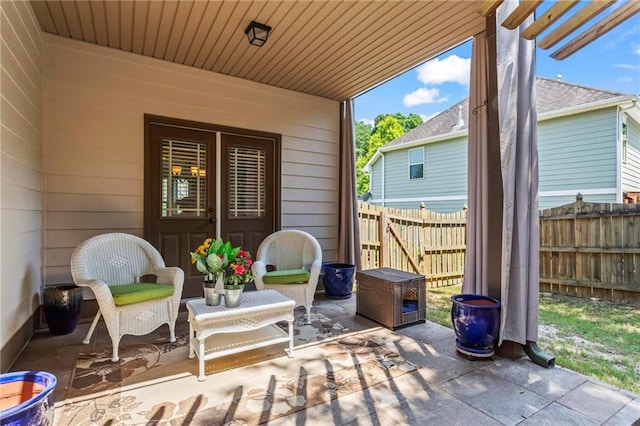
x=190, y=194
x=181, y=208
x=248, y=173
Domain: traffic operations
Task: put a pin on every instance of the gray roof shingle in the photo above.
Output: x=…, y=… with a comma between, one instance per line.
x=552, y=95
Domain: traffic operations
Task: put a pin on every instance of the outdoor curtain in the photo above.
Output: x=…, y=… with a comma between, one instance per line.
x=519, y=152
x=502, y=257
x=478, y=260
x=348, y=226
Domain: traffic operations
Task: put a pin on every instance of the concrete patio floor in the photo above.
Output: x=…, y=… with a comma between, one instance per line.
x=448, y=389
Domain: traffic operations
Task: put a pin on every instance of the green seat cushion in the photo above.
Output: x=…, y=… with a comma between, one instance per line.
x=286, y=276
x=127, y=294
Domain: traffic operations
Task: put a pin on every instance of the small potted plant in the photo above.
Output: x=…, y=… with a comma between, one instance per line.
x=230, y=266
x=236, y=275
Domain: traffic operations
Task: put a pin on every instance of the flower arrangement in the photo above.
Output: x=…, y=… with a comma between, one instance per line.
x=215, y=257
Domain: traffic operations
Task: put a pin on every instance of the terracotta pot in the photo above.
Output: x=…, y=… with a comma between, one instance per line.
x=26, y=397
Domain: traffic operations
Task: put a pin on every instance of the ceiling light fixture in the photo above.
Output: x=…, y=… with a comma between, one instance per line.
x=257, y=33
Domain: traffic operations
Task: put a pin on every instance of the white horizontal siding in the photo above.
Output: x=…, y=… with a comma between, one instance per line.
x=20, y=166
x=94, y=107
x=631, y=169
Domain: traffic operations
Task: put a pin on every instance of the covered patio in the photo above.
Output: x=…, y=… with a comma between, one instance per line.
x=83, y=82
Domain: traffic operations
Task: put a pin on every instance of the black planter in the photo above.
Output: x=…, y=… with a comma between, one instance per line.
x=62, y=308
x=338, y=280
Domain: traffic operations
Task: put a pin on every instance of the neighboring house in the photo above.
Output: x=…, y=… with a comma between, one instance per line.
x=588, y=142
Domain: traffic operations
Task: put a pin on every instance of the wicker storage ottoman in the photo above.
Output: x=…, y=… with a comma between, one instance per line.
x=393, y=298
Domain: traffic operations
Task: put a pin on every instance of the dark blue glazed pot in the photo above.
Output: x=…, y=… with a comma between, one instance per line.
x=62, y=306
x=24, y=405
x=338, y=280
x=476, y=322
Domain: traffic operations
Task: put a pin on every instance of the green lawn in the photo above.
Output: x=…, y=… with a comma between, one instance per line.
x=597, y=338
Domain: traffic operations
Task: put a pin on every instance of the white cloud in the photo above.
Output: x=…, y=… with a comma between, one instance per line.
x=423, y=95
x=450, y=69
x=625, y=79
x=367, y=121
x=629, y=67
x=427, y=117
x=636, y=48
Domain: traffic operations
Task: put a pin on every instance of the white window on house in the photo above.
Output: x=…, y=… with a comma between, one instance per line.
x=416, y=163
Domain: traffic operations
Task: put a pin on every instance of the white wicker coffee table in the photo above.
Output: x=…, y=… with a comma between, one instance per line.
x=216, y=331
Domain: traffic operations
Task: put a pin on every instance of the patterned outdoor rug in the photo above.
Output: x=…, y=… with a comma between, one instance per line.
x=94, y=372
x=254, y=394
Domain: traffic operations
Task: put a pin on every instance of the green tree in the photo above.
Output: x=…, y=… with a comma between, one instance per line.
x=387, y=129
x=363, y=134
x=407, y=122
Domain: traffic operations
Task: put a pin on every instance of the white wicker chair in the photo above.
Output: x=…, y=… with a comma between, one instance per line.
x=114, y=259
x=285, y=250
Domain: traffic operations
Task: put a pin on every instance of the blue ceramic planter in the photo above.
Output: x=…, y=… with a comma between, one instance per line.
x=338, y=280
x=476, y=322
x=62, y=305
x=24, y=406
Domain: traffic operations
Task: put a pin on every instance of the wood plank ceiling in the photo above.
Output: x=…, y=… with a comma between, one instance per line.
x=336, y=49
x=333, y=49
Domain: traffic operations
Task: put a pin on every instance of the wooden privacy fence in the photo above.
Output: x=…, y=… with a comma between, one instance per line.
x=591, y=250
x=419, y=241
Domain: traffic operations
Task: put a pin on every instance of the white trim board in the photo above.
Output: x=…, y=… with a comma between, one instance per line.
x=563, y=193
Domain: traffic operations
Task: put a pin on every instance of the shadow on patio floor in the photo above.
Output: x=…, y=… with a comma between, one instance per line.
x=360, y=373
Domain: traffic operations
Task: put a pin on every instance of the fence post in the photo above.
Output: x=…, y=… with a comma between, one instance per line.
x=424, y=215
x=579, y=203
x=382, y=235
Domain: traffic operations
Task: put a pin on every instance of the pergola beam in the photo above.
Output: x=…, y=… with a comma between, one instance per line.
x=520, y=13
x=554, y=13
x=575, y=22
x=616, y=18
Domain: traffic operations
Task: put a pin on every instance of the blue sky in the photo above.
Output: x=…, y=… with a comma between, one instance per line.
x=611, y=62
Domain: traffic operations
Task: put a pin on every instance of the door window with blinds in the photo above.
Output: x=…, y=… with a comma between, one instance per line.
x=184, y=172
x=246, y=186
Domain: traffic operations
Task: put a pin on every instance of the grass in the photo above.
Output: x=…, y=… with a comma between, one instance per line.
x=600, y=339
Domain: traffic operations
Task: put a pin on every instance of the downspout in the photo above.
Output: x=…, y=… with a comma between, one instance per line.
x=618, y=154
x=537, y=356
x=383, y=178
x=619, y=148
